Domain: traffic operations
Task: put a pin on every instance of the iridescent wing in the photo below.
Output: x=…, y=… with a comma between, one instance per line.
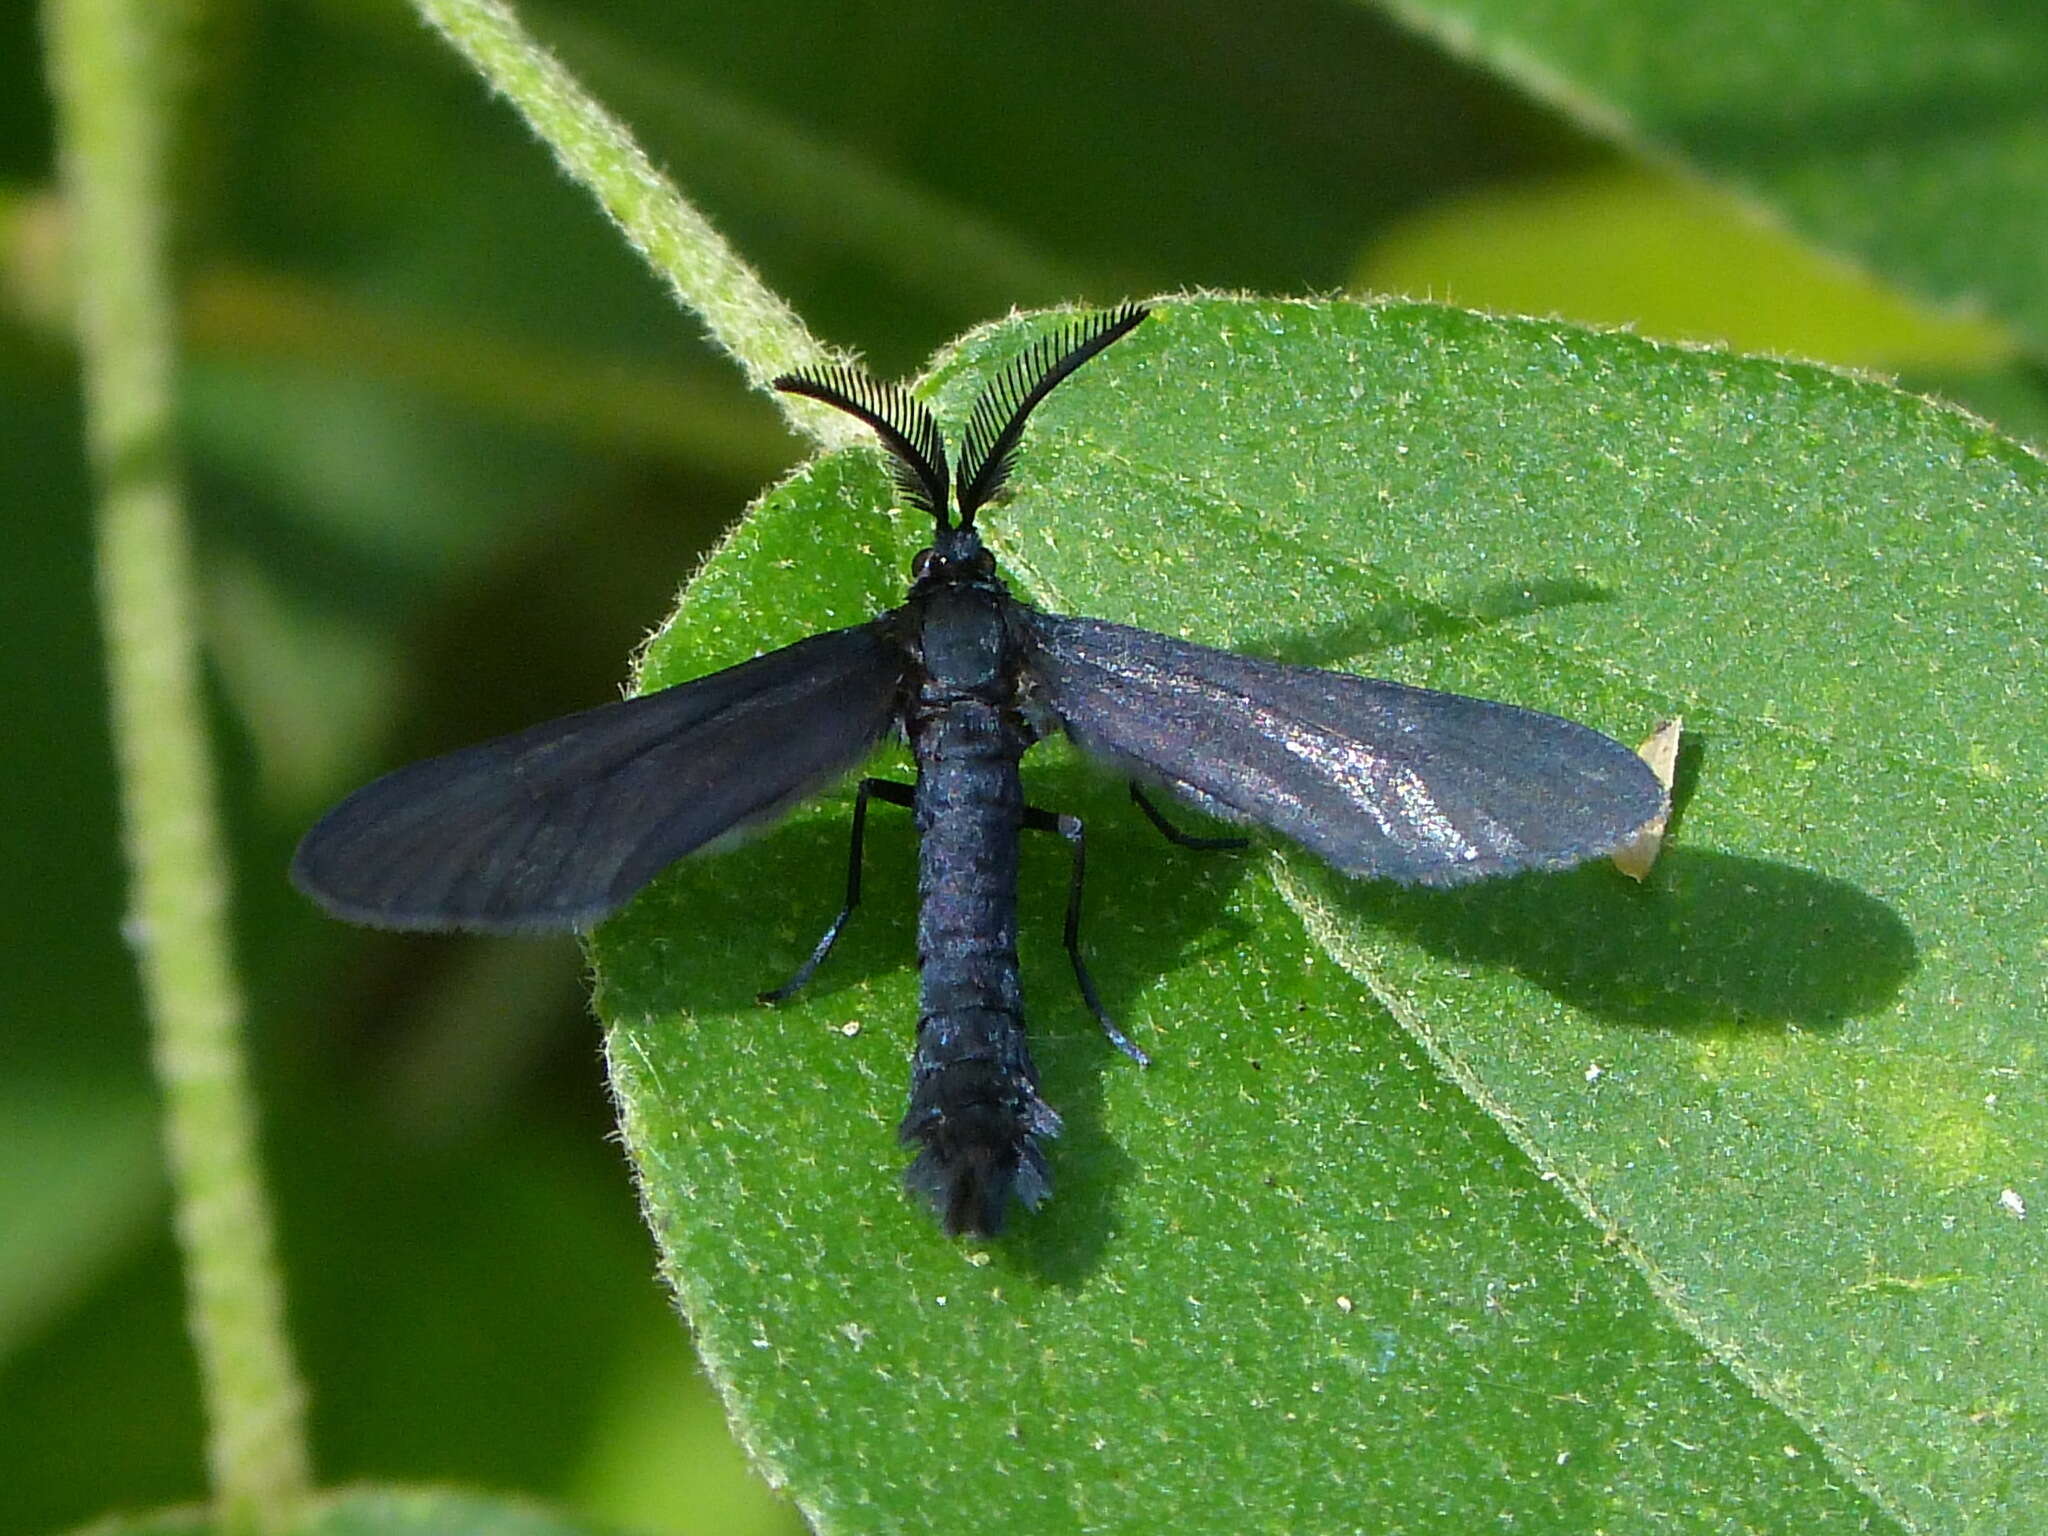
x=1376, y=778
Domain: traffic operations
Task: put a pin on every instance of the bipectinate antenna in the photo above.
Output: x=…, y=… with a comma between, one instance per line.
x=906, y=428
x=997, y=423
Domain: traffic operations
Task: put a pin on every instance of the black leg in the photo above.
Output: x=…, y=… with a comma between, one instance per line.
x=1071, y=829
x=1174, y=834
x=880, y=789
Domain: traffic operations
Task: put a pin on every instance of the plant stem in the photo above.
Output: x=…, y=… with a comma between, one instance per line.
x=109, y=71
x=746, y=318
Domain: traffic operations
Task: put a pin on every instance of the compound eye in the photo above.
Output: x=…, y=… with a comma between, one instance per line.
x=921, y=564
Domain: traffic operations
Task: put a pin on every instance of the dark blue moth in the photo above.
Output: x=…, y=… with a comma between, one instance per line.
x=558, y=826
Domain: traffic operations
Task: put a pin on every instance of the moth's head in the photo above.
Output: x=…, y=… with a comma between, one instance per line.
x=954, y=556
x=988, y=447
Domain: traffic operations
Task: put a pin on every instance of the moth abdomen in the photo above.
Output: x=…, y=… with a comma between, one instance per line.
x=978, y=1124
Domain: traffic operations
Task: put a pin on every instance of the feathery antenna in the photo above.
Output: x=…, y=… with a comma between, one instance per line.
x=989, y=445
x=899, y=418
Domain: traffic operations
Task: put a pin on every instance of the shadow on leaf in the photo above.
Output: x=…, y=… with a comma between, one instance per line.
x=1397, y=619
x=1713, y=940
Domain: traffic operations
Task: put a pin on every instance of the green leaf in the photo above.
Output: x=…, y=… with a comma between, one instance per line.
x=78, y=1162
x=1558, y=1196
x=1911, y=135
x=1664, y=255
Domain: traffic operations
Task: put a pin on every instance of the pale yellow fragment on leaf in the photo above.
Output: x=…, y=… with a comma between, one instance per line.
x=1634, y=857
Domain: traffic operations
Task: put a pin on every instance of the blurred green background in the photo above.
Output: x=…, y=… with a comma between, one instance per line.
x=452, y=452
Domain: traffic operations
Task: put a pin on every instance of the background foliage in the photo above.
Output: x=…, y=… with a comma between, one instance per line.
x=453, y=452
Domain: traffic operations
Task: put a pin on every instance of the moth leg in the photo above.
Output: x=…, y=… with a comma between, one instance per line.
x=880, y=789
x=1179, y=838
x=1071, y=829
